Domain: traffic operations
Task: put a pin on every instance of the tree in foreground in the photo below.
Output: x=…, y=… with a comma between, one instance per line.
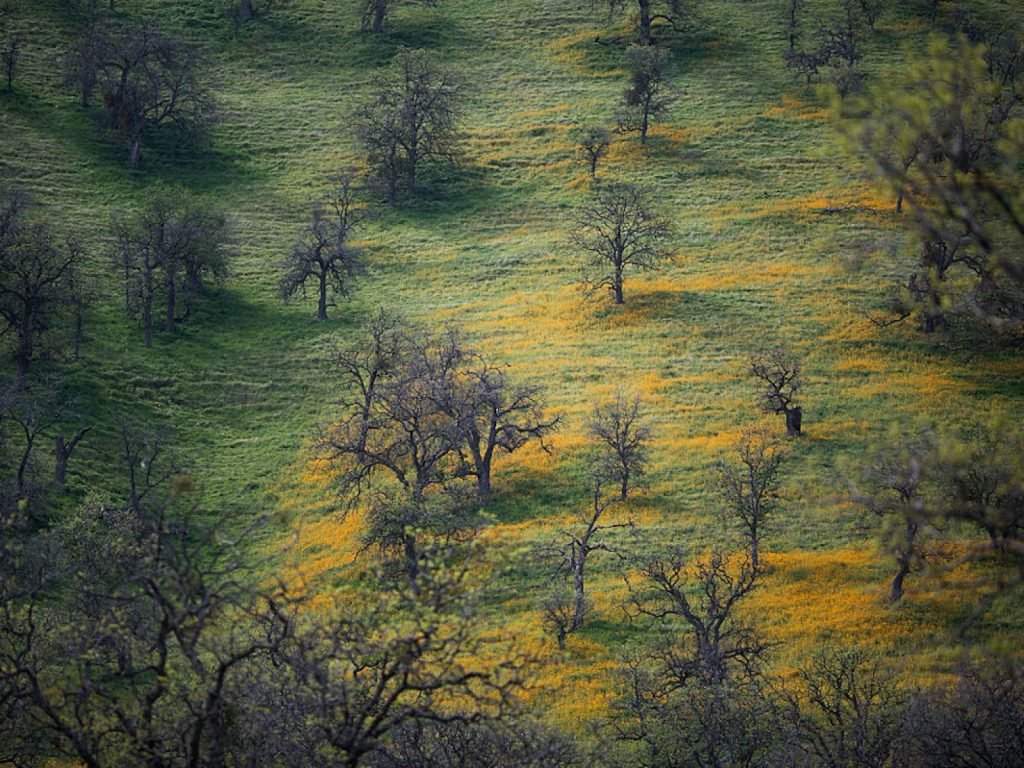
x=618, y=231
x=648, y=96
x=411, y=121
x=166, y=252
x=39, y=281
x=778, y=372
x=323, y=255
x=623, y=437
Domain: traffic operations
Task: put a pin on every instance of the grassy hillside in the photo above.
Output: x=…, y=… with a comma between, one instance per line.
x=776, y=240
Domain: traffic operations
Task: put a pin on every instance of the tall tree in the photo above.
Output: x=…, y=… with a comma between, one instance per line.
x=618, y=230
x=411, y=121
x=648, y=96
x=38, y=277
x=749, y=487
x=169, y=247
x=623, y=438
x=324, y=255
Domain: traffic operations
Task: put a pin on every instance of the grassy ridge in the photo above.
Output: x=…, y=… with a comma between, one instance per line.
x=771, y=232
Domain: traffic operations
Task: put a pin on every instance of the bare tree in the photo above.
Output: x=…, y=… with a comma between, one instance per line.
x=618, y=230
x=680, y=15
x=851, y=711
x=718, y=644
x=495, y=415
x=648, y=96
x=593, y=142
x=750, y=487
x=324, y=254
x=573, y=555
x=171, y=245
x=778, y=372
x=623, y=439
x=411, y=121
x=148, y=80
x=9, y=54
x=37, y=278
x=62, y=450
x=898, y=480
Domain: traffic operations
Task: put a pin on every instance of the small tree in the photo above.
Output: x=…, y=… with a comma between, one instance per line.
x=323, y=254
x=618, y=230
x=171, y=246
x=647, y=96
x=574, y=554
x=750, y=487
x=593, y=142
x=375, y=12
x=779, y=373
x=623, y=439
x=680, y=15
x=38, y=277
x=411, y=121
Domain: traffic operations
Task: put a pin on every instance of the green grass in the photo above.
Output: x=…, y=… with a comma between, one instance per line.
x=742, y=166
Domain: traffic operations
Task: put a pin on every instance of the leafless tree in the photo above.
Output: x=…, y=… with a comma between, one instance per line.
x=148, y=80
x=680, y=15
x=411, y=121
x=648, y=95
x=573, y=553
x=779, y=373
x=750, y=487
x=172, y=245
x=898, y=480
x=593, y=142
x=838, y=45
x=9, y=54
x=623, y=439
x=850, y=711
x=717, y=643
x=38, y=273
x=617, y=231
x=495, y=415
x=324, y=253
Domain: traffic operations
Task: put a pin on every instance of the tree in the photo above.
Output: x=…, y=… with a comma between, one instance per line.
x=38, y=277
x=750, y=487
x=957, y=169
x=323, y=254
x=9, y=53
x=148, y=80
x=411, y=121
x=618, y=230
x=678, y=14
x=494, y=415
x=573, y=556
x=779, y=373
x=851, y=710
x=172, y=245
x=647, y=97
x=376, y=11
x=718, y=646
x=837, y=46
x=593, y=142
x=623, y=439
x=898, y=480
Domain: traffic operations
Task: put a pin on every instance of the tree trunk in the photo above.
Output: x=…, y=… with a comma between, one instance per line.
x=899, y=201
x=62, y=451
x=579, y=599
x=593, y=165
x=483, y=481
x=379, y=10
x=147, y=311
x=617, y=287
x=245, y=11
x=624, y=486
x=645, y=21
x=794, y=418
x=896, y=588
x=412, y=561
x=23, y=353
x=170, y=324
x=321, y=309
x=135, y=151
x=755, y=541
x=644, y=123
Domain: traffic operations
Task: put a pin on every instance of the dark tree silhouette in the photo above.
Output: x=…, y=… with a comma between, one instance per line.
x=750, y=487
x=617, y=231
x=623, y=438
x=648, y=96
x=778, y=371
x=593, y=142
x=323, y=255
x=375, y=12
x=411, y=121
